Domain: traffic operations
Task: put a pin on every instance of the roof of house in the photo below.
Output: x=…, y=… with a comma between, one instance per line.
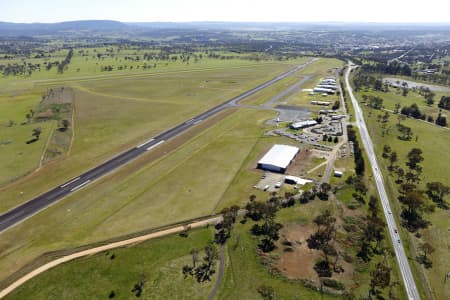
x=279, y=156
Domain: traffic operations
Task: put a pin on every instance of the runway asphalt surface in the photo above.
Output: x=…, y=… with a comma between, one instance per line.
x=31, y=207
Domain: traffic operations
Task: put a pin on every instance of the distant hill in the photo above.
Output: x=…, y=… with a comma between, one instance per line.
x=31, y=29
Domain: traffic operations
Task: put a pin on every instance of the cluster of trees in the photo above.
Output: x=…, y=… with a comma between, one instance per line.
x=363, y=80
x=16, y=69
x=357, y=153
x=413, y=111
x=63, y=65
x=373, y=101
x=392, y=68
x=413, y=199
x=324, y=240
x=204, y=271
x=427, y=94
x=330, y=138
x=373, y=231
x=268, y=231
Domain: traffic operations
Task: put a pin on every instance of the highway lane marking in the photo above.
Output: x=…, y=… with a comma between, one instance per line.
x=155, y=145
x=150, y=140
x=80, y=186
x=67, y=183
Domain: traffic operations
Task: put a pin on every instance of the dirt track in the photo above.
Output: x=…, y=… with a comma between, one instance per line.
x=99, y=249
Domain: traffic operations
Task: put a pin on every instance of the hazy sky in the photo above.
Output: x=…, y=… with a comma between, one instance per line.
x=226, y=10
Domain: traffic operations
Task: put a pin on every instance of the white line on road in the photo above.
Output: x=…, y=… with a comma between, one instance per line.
x=80, y=186
x=155, y=145
x=150, y=140
x=67, y=183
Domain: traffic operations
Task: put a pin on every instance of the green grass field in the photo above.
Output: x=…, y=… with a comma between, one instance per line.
x=433, y=141
x=16, y=157
x=112, y=114
x=160, y=260
x=394, y=97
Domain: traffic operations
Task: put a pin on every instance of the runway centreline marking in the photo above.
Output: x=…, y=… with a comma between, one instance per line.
x=155, y=145
x=80, y=186
x=67, y=183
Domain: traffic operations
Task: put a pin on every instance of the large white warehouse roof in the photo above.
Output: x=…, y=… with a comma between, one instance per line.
x=279, y=156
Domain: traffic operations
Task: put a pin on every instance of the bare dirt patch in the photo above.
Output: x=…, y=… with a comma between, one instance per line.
x=305, y=161
x=296, y=259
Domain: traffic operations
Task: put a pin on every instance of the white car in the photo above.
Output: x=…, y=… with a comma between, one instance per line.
x=278, y=184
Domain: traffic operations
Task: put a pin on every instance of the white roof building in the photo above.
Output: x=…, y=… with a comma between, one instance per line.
x=297, y=180
x=278, y=158
x=303, y=124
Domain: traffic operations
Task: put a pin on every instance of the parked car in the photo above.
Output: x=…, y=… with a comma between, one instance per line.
x=278, y=184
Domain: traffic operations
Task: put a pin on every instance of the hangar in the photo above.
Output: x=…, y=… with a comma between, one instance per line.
x=278, y=158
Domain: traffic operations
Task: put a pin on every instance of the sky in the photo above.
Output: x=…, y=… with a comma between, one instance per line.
x=382, y=11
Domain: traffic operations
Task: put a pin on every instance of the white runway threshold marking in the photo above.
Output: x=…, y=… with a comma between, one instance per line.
x=146, y=142
x=72, y=181
x=155, y=145
x=80, y=186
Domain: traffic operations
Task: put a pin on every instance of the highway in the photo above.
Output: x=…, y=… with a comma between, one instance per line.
x=402, y=259
x=31, y=207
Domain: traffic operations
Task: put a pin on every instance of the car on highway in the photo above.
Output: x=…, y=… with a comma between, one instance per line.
x=399, y=241
x=395, y=230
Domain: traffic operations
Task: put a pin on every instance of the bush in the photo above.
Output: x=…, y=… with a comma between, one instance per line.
x=333, y=284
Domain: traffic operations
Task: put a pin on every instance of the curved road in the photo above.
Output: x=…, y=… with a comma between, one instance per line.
x=402, y=259
x=28, y=209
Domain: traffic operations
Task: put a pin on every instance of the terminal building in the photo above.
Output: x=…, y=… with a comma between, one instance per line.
x=278, y=158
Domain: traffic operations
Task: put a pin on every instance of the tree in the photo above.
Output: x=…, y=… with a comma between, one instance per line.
x=65, y=124
x=436, y=191
x=195, y=259
x=441, y=120
x=392, y=160
x=414, y=158
x=386, y=150
x=426, y=249
x=405, y=131
x=266, y=291
x=397, y=108
x=37, y=132
x=324, y=189
x=430, y=98
x=380, y=277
